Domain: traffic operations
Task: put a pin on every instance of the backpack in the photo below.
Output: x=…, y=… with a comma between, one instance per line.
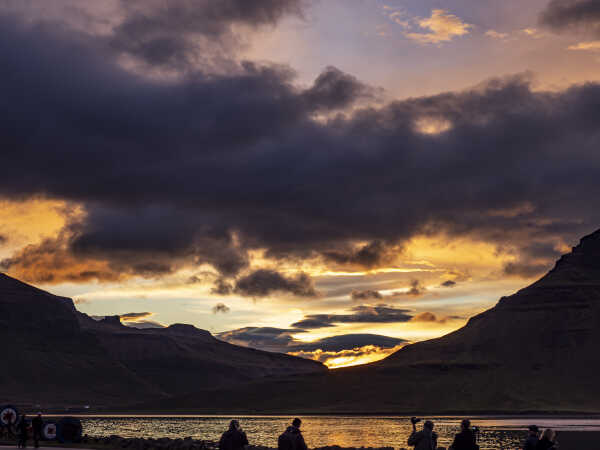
x=286, y=441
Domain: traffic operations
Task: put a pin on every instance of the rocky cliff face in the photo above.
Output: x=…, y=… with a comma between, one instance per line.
x=53, y=354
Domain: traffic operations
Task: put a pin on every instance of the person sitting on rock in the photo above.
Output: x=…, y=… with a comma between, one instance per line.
x=291, y=438
x=465, y=440
x=234, y=438
x=426, y=439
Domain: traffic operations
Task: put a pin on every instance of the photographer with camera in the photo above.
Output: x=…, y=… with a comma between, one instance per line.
x=425, y=439
x=467, y=438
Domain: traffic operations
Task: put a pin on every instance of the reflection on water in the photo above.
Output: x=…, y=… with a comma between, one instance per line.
x=319, y=431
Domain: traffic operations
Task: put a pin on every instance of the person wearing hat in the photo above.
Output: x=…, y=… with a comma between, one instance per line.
x=532, y=438
x=426, y=439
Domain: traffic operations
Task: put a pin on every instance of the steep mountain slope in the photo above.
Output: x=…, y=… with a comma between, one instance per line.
x=536, y=350
x=47, y=358
x=550, y=325
x=52, y=354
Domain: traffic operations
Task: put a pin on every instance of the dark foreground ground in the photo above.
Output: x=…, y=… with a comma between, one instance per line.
x=568, y=440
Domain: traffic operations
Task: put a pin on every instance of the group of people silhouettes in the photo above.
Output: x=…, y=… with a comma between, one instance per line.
x=291, y=439
x=235, y=438
x=21, y=430
x=426, y=439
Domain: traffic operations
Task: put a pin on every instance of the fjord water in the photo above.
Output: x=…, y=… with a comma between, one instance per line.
x=319, y=431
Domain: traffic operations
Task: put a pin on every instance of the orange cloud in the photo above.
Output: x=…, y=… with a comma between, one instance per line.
x=593, y=46
x=350, y=357
x=442, y=26
x=52, y=262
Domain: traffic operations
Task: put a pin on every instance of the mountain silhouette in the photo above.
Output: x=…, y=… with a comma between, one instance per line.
x=535, y=351
x=54, y=355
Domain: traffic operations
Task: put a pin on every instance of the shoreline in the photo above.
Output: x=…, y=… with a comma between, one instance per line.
x=568, y=440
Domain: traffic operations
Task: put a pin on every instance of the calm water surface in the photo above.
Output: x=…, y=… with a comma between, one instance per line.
x=496, y=432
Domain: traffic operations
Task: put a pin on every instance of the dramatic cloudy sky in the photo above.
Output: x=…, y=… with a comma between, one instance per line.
x=328, y=178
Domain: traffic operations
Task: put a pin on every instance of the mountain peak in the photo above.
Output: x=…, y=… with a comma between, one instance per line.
x=579, y=267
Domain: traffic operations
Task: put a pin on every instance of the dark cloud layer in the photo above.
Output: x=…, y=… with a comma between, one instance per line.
x=220, y=308
x=181, y=33
x=366, y=295
x=263, y=282
x=416, y=289
x=335, y=89
x=576, y=15
x=281, y=340
x=206, y=167
x=360, y=314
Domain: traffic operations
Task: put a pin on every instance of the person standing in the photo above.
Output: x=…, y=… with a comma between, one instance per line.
x=292, y=438
x=465, y=440
x=37, y=425
x=532, y=438
x=234, y=438
x=426, y=439
x=22, y=432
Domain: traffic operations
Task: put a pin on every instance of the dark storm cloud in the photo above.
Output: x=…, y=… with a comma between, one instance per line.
x=205, y=168
x=220, y=308
x=368, y=256
x=360, y=314
x=577, y=15
x=348, y=341
x=280, y=340
x=265, y=338
x=264, y=282
x=335, y=89
x=366, y=295
x=181, y=33
x=533, y=259
x=448, y=283
x=222, y=287
x=525, y=269
x=416, y=289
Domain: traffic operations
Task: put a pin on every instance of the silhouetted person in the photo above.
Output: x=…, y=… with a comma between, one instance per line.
x=234, y=438
x=532, y=438
x=465, y=440
x=37, y=425
x=425, y=439
x=547, y=441
x=22, y=432
x=292, y=438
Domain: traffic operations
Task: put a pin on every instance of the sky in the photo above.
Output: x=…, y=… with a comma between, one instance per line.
x=332, y=179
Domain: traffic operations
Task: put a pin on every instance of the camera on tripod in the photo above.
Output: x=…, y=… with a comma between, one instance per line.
x=414, y=420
